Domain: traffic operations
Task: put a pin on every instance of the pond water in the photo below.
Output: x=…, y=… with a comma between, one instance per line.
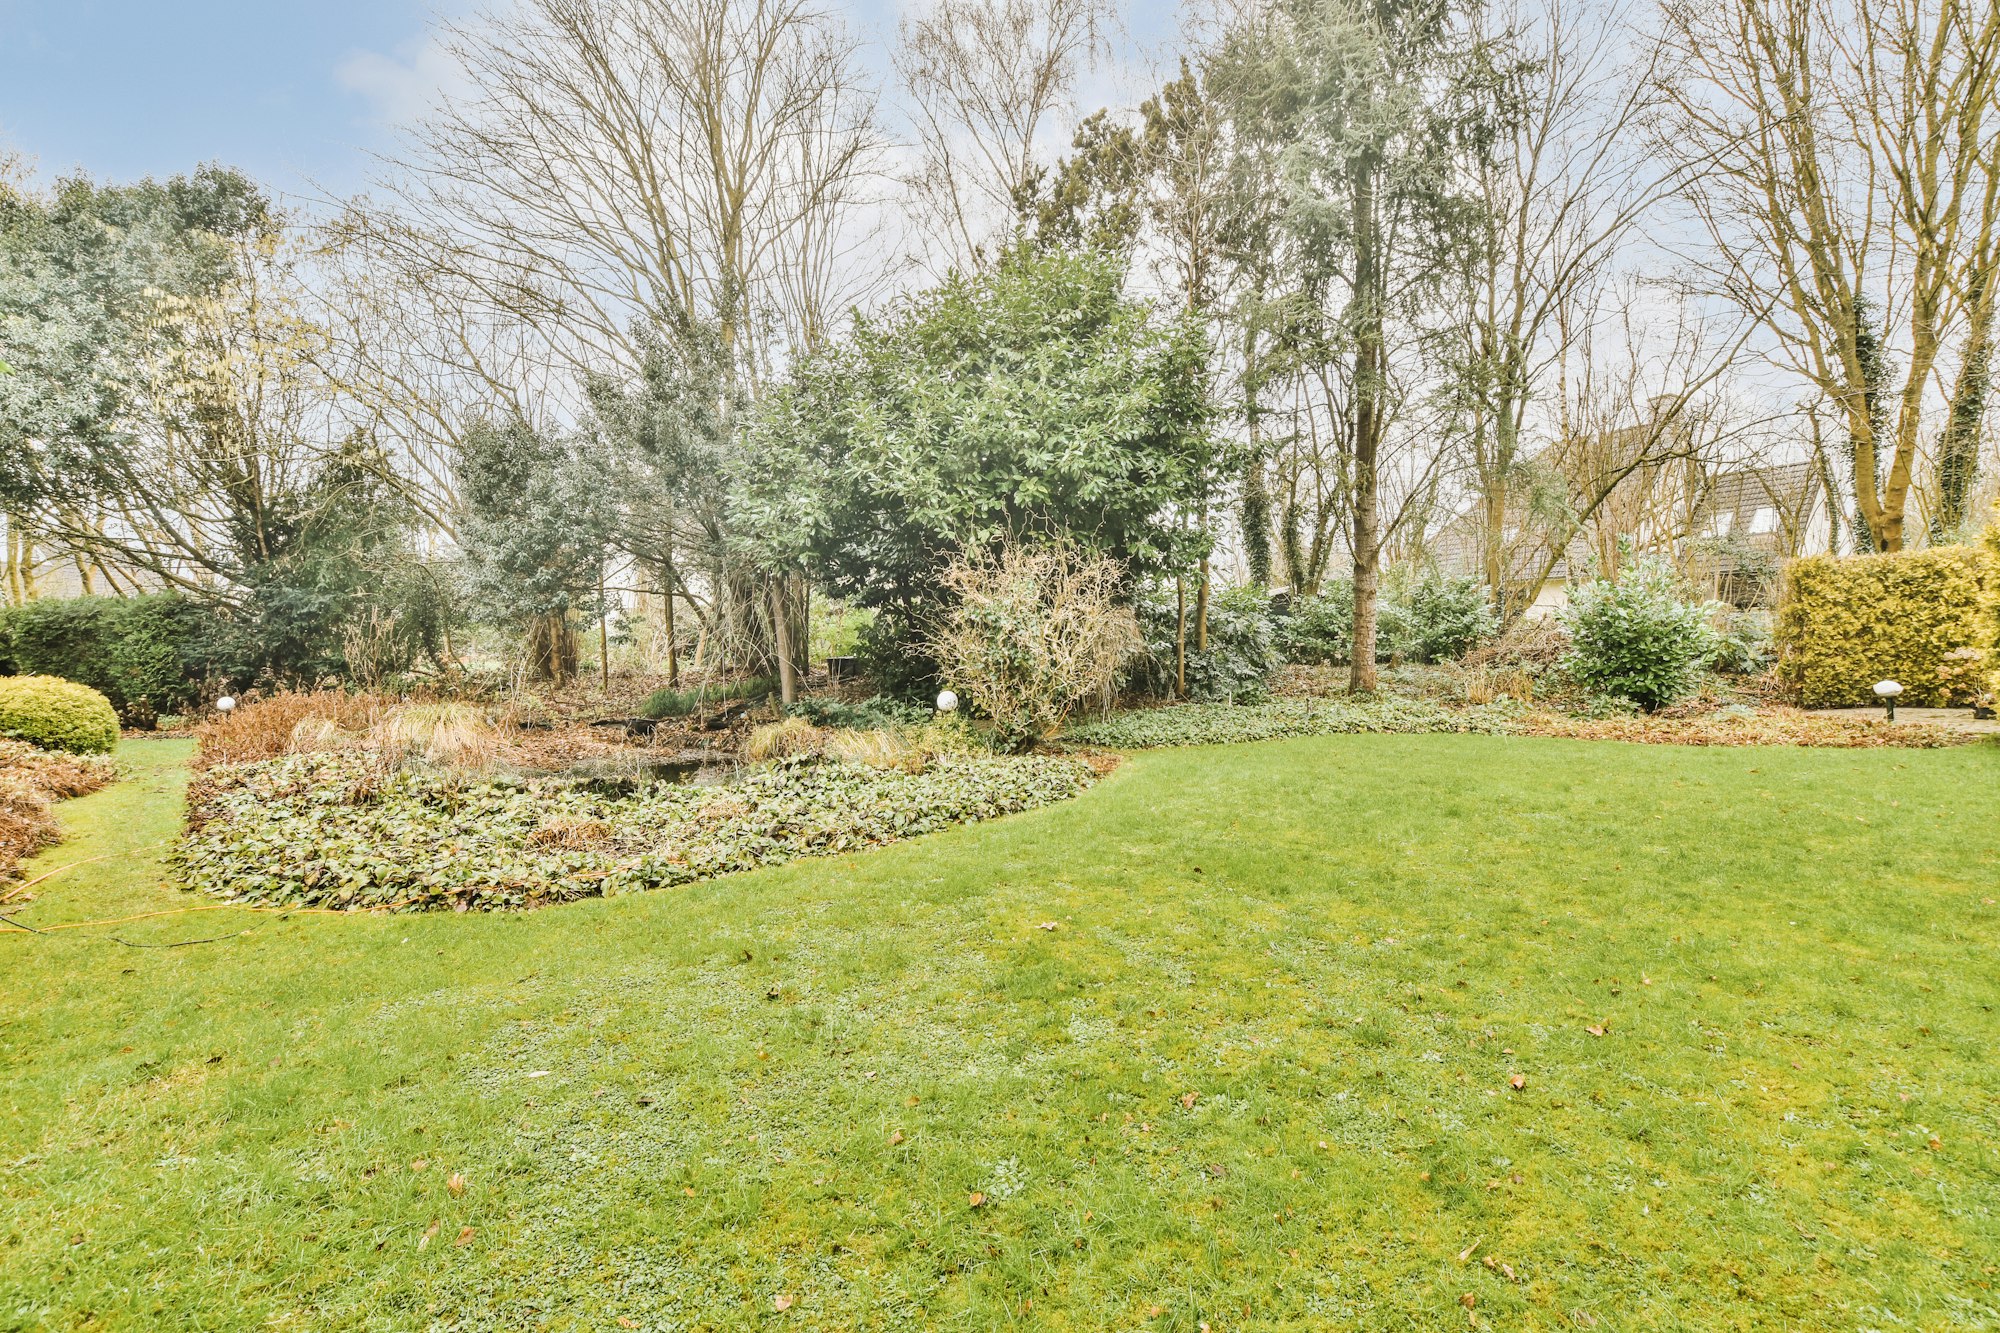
x=624, y=777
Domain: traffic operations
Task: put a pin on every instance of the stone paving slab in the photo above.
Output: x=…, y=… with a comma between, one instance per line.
x=1958, y=719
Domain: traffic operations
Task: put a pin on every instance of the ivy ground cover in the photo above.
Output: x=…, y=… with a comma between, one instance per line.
x=337, y=829
x=1298, y=1035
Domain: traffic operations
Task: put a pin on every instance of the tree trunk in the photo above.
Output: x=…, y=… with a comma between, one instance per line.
x=1201, y=610
x=1367, y=436
x=1180, y=637
x=1256, y=488
x=551, y=648
x=1958, y=451
x=603, y=633
x=781, y=628
x=668, y=581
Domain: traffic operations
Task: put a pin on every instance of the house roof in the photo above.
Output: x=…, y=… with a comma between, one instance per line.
x=1763, y=505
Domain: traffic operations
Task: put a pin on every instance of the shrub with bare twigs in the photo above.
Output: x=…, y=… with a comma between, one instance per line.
x=1036, y=630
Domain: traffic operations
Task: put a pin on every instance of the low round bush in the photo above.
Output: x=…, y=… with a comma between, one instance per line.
x=56, y=714
x=1435, y=618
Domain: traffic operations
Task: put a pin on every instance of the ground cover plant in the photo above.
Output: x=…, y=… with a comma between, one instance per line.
x=1225, y=723
x=344, y=829
x=1308, y=715
x=1275, y=1037
x=669, y=702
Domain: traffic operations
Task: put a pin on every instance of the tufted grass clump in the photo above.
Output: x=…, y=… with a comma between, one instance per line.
x=447, y=735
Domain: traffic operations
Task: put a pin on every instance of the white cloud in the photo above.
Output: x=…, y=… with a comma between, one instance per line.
x=403, y=85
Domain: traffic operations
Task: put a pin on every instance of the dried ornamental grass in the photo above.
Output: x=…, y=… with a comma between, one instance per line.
x=31, y=782
x=265, y=728
x=789, y=738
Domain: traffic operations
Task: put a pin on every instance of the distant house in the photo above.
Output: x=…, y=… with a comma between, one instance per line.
x=1753, y=519
x=1731, y=529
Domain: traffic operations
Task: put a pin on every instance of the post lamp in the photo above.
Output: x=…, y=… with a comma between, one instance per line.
x=225, y=706
x=1886, y=691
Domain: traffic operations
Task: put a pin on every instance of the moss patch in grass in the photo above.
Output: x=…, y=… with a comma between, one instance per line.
x=1231, y=1040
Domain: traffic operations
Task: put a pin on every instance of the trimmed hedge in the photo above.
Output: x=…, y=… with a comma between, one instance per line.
x=148, y=655
x=54, y=714
x=1913, y=617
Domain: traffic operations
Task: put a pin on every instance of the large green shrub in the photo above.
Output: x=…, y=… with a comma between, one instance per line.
x=1319, y=630
x=1639, y=637
x=1988, y=646
x=55, y=714
x=1912, y=617
x=1242, y=649
x=1434, y=618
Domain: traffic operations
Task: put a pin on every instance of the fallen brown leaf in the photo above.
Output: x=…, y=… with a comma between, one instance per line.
x=1595, y=1029
x=464, y=1236
x=456, y=1185
x=1466, y=1253
x=896, y=1138
x=781, y=1303
x=623, y=1322
x=1468, y=1300
x=1518, y=1082
x=976, y=1199
x=1188, y=1099
x=430, y=1234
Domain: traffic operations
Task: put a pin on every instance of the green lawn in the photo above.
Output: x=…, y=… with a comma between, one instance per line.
x=1256, y=1077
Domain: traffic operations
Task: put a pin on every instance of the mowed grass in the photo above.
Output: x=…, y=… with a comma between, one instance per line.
x=1255, y=1076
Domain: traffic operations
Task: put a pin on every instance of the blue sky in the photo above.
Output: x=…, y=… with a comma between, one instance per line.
x=290, y=90
x=296, y=92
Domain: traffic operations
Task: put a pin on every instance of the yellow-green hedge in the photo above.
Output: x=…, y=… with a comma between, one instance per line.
x=56, y=714
x=1917, y=617
x=1989, y=620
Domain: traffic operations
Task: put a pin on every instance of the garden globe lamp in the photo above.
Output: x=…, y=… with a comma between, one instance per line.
x=1886, y=691
x=947, y=701
x=225, y=705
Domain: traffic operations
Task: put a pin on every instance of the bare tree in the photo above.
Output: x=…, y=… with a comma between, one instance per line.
x=625, y=171
x=1849, y=183
x=1563, y=192
x=626, y=157
x=986, y=79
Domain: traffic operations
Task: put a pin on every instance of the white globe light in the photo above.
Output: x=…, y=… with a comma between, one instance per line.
x=947, y=701
x=225, y=703
x=1887, y=689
